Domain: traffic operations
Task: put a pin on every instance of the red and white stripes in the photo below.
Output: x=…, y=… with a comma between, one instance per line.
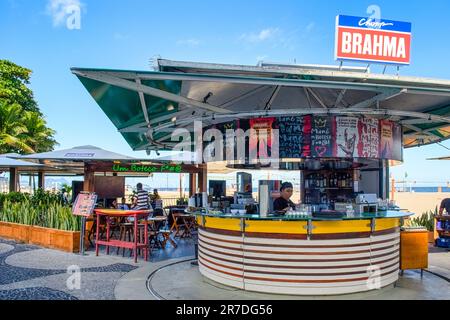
x=304, y=267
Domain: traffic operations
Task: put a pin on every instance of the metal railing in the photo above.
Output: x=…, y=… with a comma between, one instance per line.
x=169, y=201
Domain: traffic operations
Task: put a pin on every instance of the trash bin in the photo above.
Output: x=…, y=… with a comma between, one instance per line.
x=413, y=248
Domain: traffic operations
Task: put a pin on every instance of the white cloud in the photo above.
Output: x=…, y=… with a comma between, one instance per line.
x=120, y=36
x=60, y=9
x=188, y=42
x=310, y=26
x=263, y=35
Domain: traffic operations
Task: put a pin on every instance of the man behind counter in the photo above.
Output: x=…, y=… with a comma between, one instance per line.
x=283, y=203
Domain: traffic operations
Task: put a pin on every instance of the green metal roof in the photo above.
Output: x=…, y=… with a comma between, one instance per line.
x=123, y=106
x=146, y=106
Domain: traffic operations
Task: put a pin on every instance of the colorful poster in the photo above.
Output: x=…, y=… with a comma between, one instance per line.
x=386, y=139
x=322, y=137
x=397, y=149
x=260, y=142
x=369, y=139
x=347, y=137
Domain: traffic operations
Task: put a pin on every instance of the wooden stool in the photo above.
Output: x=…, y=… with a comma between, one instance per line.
x=126, y=229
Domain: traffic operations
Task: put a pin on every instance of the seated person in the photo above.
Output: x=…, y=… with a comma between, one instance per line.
x=114, y=204
x=155, y=195
x=123, y=205
x=445, y=204
x=133, y=203
x=283, y=203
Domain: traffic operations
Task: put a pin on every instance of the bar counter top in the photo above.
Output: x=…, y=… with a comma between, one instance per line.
x=298, y=217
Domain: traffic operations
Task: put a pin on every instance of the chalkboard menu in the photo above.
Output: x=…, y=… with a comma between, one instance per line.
x=84, y=204
x=291, y=136
x=322, y=137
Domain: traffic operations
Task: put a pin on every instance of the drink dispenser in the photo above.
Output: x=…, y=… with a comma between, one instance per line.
x=268, y=191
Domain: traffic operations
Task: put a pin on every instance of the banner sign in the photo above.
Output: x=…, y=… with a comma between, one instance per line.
x=372, y=40
x=347, y=137
x=167, y=168
x=312, y=136
x=261, y=141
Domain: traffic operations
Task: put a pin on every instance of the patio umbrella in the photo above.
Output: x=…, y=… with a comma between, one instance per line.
x=81, y=153
x=6, y=163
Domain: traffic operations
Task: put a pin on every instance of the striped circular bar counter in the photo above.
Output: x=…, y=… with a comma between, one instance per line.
x=301, y=256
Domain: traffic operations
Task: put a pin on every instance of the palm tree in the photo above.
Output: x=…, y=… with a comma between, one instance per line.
x=13, y=132
x=39, y=136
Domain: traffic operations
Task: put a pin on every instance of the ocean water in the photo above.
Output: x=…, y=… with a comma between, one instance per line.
x=423, y=189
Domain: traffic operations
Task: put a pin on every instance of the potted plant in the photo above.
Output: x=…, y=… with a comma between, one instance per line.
x=426, y=220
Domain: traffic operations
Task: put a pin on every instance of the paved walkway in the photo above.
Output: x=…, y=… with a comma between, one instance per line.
x=32, y=273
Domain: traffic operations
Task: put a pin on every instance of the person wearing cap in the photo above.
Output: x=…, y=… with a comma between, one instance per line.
x=283, y=203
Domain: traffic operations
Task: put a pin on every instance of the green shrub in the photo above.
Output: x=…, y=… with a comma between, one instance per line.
x=43, y=209
x=425, y=220
x=13, y=197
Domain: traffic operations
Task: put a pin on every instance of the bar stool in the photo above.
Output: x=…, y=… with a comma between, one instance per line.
x=126, y=230
x=127, y=234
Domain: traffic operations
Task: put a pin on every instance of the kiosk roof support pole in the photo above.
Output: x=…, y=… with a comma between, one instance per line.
x=143, y=104
x=340, y=97
x=418, y=130
x=317, y=98
x=379, y=97
x=41, y=180
x=192, y=184
x=203, y=178
x=88, y=184
x=13, y=179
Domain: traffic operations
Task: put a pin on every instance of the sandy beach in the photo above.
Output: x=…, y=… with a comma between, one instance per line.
x=419, y=202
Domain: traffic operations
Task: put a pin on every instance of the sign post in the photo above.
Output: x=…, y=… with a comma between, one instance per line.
x=84, y=206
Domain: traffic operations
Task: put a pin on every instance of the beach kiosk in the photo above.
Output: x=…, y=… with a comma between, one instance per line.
x=337, y=128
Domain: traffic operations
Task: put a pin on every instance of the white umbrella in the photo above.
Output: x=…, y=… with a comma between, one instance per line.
x=84, y=153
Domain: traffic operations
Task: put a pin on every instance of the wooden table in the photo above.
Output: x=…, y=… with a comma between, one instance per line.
x=135, y=245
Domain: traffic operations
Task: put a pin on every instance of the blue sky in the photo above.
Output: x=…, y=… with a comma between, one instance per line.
x=126, y=34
